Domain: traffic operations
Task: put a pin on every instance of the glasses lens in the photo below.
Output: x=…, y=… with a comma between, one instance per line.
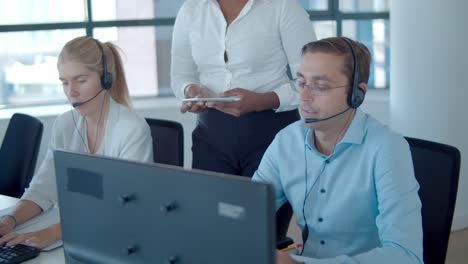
x=298, y=84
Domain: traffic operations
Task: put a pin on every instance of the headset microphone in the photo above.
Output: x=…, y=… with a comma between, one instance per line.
x=76, y=104
x=105, y=78
x=313, y=120
x=356, y=95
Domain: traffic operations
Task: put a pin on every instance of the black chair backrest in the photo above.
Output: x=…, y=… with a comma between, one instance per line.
x=283, y=218
x=437, y=169
x=168, y=141
x=18, y=154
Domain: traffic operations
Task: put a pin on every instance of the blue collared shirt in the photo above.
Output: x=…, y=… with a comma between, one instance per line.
x=361, y=202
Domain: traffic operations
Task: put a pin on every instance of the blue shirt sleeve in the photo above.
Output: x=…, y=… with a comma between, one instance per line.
x=268, y=172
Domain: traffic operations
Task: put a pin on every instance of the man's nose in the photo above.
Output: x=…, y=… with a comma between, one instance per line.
x=306, y=95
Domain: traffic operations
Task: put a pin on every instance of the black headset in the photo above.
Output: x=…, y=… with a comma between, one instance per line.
x=356, y=95
x=106, y=76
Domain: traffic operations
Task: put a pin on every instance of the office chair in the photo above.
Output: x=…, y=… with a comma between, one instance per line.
x=168, y=141
x=437, y=168
x=18, y=154
x=283, y=218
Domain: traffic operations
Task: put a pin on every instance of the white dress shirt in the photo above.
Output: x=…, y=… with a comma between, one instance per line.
x=126, y=136
x=266, y=36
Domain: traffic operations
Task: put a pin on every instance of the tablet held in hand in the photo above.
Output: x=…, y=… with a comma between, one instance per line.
x=212, y=99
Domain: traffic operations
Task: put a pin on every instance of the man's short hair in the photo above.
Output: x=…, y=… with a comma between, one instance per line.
x=338, y=46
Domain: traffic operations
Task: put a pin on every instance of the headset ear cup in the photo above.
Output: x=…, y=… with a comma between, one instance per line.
x=106, y=80
x=357, y=97
x=106, y=77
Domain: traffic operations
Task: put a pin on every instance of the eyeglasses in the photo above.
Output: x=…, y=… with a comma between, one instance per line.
x=314, y=88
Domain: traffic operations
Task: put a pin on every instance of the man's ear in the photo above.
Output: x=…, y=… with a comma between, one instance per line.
x=363, y=87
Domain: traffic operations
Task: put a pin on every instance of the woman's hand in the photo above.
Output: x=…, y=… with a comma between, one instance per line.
x=250, y=102
x=194, y=91
x=7, y=224
x=39, y=239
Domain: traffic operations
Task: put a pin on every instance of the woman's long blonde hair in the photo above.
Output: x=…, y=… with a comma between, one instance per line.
x=86, y=51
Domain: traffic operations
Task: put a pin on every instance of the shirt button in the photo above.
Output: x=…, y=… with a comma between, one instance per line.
x=320, y=219
x=322, y=242
x=322, y=190
x=327, y=161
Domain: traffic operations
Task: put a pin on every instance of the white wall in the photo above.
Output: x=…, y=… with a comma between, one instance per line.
x=429, y=78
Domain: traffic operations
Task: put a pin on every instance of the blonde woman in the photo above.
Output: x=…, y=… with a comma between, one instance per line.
x=101, y=123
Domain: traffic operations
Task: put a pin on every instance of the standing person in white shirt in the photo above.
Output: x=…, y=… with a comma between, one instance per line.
x=101, y=123
x=239, y=48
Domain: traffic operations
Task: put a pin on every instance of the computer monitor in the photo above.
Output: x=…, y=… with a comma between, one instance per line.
x=116, y=211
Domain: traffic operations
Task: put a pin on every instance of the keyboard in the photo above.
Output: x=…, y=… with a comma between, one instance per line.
x=17, y=254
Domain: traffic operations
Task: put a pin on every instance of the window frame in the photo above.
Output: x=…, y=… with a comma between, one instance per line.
x=333, y=13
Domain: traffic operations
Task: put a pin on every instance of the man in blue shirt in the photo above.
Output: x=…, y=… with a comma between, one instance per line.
x=349, y=178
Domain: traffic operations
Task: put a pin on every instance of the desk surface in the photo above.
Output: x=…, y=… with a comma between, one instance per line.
x=52, y=257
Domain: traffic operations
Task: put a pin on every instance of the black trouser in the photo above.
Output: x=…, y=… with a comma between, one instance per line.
x=235, y=145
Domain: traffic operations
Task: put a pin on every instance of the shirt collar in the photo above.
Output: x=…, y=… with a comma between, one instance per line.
x=113, y=115
x=356, y=131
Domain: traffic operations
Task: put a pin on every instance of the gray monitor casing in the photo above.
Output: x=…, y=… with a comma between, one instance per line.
x=116, y=211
